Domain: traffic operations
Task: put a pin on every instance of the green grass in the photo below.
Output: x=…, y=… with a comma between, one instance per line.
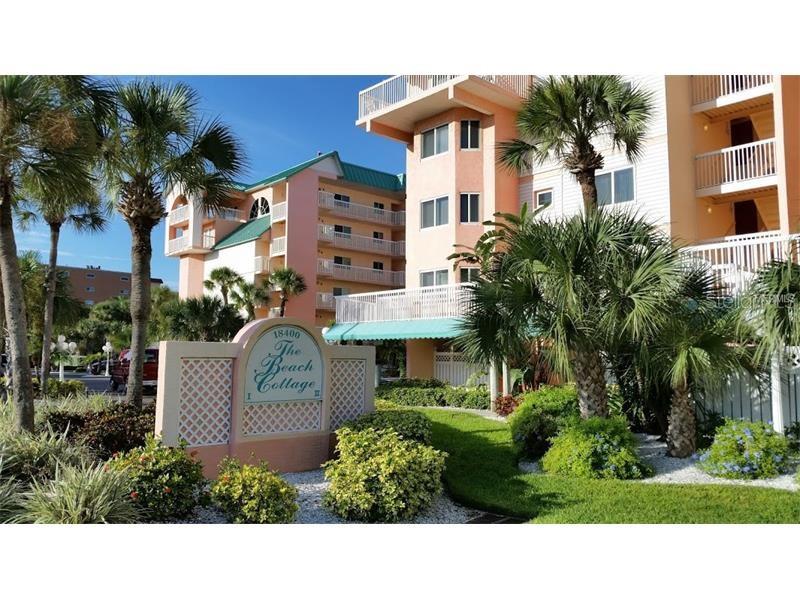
x=482, y=473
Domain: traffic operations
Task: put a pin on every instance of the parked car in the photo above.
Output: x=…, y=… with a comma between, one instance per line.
x=121, y=367
x=98, y=367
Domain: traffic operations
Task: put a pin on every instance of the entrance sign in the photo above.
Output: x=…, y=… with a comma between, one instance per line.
x=285, y=365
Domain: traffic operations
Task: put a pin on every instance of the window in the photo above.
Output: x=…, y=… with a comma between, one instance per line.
x=90, y=276
x=342, y=198
x=124, y=292
x=341, y=260
x=89, y=288
x=615, y=187
x=470, y=132
x=377, y=265
x=428, y=278
x=378, y=205
x=340, y=291
x=469, y=208
x=434, y=212
x=544, y=198
x=260, y=208
x=124, y=278
x=468, y=274
x=89, y=302
x=377, y=235
x=342, y=230
x=434, y=141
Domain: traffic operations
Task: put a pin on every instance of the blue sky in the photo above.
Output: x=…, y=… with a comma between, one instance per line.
x=281, y=121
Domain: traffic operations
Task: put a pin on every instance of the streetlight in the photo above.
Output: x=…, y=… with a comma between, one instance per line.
x=62, y=348
x=107, y=348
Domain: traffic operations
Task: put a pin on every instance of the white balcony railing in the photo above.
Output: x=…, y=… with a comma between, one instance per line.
x=434, y=302
x=734, y=260
x=278, y=246
x=735, y=164
x=325, y=301
x=261, y=264
x=209, y=238
x=279, y=212
x=179, y=215
x=406, y=87
x=327, y=267
x=361, y=212
x=339, y=239
x=177, y=244
x=226, y=214
x=706, y=88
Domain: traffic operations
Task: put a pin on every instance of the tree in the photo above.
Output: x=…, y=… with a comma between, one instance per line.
x=247, y=296
x=158, y=327
x=289, y=282
x=46, y=127
x=159, y=141
x=584, y=284
x=225, y=279
x=204, y=319
x=563, y=117
x=85, y=213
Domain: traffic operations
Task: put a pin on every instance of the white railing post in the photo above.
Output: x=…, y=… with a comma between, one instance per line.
x=776, y=381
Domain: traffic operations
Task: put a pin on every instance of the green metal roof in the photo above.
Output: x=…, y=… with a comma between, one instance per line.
x=246, y=232
x=350, y=172
x=394, y=330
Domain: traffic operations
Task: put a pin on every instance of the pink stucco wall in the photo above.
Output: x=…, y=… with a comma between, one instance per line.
x=301, y=240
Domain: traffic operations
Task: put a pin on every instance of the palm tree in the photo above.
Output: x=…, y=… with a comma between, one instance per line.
x=289, y=282
x=159, y=141
x=47, y=126
x=225, y=279
x=563, y=117
x=204, y=319
x=583, y=284
x=695, y=348
x=247, y=296
x=85, y=214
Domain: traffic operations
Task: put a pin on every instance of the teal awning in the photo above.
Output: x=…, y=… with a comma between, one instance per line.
x=413, y=329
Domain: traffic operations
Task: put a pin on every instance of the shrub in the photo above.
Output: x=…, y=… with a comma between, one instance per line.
x=596, y=448
x=253, y=494
x=745, y=450
x=27, y=457
x=118, y=428
x=505, y=405
x=380, y=477
x=409, y=424
x=540, y=416
x=9, y=500
x=411, y=383
x=55, y=388
x=434, y=394
x=792, y=433
x=386, y=405
x=166, y=482
x=708, y=421
x=83, y=494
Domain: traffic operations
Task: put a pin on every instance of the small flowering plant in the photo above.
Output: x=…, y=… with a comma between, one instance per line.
x=166, y=483
x=746, y=450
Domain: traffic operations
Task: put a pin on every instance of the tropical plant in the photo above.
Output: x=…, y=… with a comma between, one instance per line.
x=408, y=424
x=746, y=450
x=584, y=284
x=203, y=319
x=289, y=282
x=26, y=456
x=253, y=493
x=247, y=296
x=159, y=142
x=540, y=417
x=563, y=117
x=48, y=141
x=224, y=278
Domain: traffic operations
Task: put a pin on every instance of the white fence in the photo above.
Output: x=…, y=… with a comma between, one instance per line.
x=706, y=88
x=735, y=164
x=432, y=302
x=451, y=367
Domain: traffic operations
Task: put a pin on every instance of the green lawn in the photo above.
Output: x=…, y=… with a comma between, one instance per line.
x=482, y=473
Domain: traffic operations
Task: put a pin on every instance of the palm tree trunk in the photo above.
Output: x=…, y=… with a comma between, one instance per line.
x=682, y=430
x=284, y=299
x=14, y=306
x=141, y=253
x=49, y=302
x=224, y=293
x=590, y=379
x=588, y=185
x=3, y=388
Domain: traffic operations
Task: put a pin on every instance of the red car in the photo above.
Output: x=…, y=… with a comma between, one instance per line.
x=121, y=367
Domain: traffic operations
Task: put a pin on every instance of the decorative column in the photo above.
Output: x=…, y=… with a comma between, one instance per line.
x=492, y=385
x=506, y=389
x=777, y=393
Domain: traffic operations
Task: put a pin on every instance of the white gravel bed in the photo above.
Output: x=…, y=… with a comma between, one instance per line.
x=311, y=486
x=682, y=470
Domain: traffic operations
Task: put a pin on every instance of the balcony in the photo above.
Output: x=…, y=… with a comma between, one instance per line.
x=278, y=246
x=361, y=212
x=327, y=268
x=179, y=215
x=392, y=107
x=226, y=214
x=736, y=169
x=734, y=260
x=717, y=96
x=325, y=301
x=178, y=244
x=434, y=302
x=261, y=265
x=278, y=212
x=361, y=243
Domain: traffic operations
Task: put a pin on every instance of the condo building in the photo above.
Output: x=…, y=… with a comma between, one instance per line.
x=720, y=173
x=340, y=225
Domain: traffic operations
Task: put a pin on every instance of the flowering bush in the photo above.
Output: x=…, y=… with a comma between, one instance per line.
x=166, y=483
x=745, y=450
x=540, y=416
x=409, y=424
x=596, y=448
x=380, y=477
x=253, y=494
x=505, y=405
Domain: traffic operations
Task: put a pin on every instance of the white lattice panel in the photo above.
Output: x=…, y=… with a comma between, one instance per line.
x=205, y=401
x=348, y=383
x=270, y=417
